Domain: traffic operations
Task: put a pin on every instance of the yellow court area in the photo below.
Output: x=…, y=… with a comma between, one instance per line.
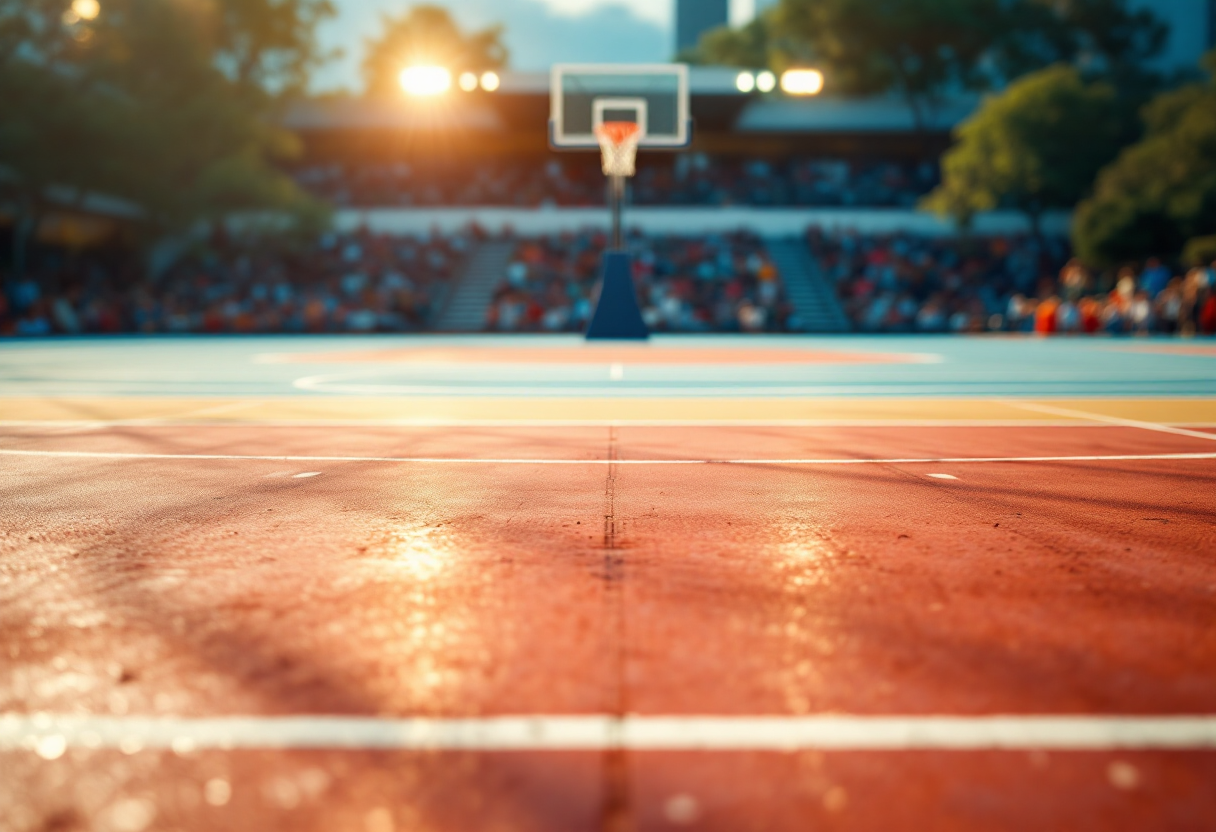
x=303, y=409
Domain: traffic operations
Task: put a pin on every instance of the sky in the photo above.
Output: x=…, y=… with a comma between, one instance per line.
x=538, y=32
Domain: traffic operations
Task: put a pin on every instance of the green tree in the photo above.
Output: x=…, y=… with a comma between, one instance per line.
x=1161, y=192
x=918, y=48
x=923, y=49
x=169, y=104
x=1108, y=37
x=270, y=45
x=427, y=35
x=746, y=46
x=1200, y=251
x=201, y=131
x=52, y=132
x=1035, y=147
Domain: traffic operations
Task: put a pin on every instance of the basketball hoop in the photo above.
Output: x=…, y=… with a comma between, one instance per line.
x=619, y=143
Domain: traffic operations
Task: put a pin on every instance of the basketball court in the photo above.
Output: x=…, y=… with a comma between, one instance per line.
x=541, y=584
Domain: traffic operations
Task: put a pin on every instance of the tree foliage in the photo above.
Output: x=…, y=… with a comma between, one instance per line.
x=168, y=104
x=1105, y=36
x=427, y=35
x=204, y=138
x=923, y=49
x=747, y=46
x=1161, y=192
x=917, y=48
x=1200, y=251
x=1035, y=147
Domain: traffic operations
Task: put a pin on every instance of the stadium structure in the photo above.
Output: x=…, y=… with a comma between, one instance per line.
x=736, y=123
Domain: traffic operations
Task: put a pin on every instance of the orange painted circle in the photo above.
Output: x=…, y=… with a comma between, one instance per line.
x=599, y=354
x=1209, y=352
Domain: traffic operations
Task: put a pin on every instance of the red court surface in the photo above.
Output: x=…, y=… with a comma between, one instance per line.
x=631, y=572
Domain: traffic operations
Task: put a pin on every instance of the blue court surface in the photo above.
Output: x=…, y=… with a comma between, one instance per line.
x=483, y=366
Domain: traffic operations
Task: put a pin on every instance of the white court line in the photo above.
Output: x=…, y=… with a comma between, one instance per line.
x=440, y=460
x=658, y=733
x=1109, y=420
x=573, y=423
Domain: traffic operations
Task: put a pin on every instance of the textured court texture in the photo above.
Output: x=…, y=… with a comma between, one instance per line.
x=453, y=584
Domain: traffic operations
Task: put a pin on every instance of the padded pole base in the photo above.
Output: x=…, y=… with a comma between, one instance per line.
x=617, y=315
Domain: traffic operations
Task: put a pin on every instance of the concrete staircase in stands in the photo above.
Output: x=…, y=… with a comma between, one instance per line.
x=812, y=295
x=470, y=297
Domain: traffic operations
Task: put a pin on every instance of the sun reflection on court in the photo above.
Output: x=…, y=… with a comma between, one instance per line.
x=419, y=615
x=805, y=560
x=808, y=563
x=423, y=553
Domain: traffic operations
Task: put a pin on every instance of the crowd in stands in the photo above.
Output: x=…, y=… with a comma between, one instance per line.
x=907, y=283
x=357, y=282
x=366, y=282
x=1153, y=300
x=715, y=283
x=686, y=180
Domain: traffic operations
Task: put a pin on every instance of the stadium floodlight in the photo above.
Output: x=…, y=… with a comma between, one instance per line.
x=468, y=81
x=86, y=9
x=766, y=81
x=490, y=81
x=425, y=81
x=745, y=82
x=802, y=82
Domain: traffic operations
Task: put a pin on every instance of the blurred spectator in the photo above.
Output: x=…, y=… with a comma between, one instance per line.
x=1075, y=280
x=1154, y=278
x=908, y=283
x=716, y=283
x=357, y=282
x=1198, y=290
x=366, y=282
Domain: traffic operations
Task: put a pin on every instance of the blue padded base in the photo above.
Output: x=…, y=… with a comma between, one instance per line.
x=617, y=315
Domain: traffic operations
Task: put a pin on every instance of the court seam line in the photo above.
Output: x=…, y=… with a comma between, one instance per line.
x=526, y=461
x=1110, y=420
x=50, y=735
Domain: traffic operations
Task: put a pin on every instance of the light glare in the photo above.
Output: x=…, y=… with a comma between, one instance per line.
x=490, y=81
x=802, y=82
x=746, y=82
x=86, y=9
x=425, y=80
x=766, y=81
x=468, y=81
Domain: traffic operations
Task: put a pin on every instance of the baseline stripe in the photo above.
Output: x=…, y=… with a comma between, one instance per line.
x=513, y=461
x=557, y=733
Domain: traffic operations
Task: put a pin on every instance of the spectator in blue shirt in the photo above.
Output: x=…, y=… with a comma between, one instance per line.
x=1155, y=277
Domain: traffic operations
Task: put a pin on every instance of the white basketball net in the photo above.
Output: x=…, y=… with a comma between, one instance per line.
x=619, y=143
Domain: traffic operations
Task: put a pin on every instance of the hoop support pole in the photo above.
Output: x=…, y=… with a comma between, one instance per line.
x=617, y=199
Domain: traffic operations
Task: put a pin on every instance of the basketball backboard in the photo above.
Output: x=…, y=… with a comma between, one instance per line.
x=654, y=96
